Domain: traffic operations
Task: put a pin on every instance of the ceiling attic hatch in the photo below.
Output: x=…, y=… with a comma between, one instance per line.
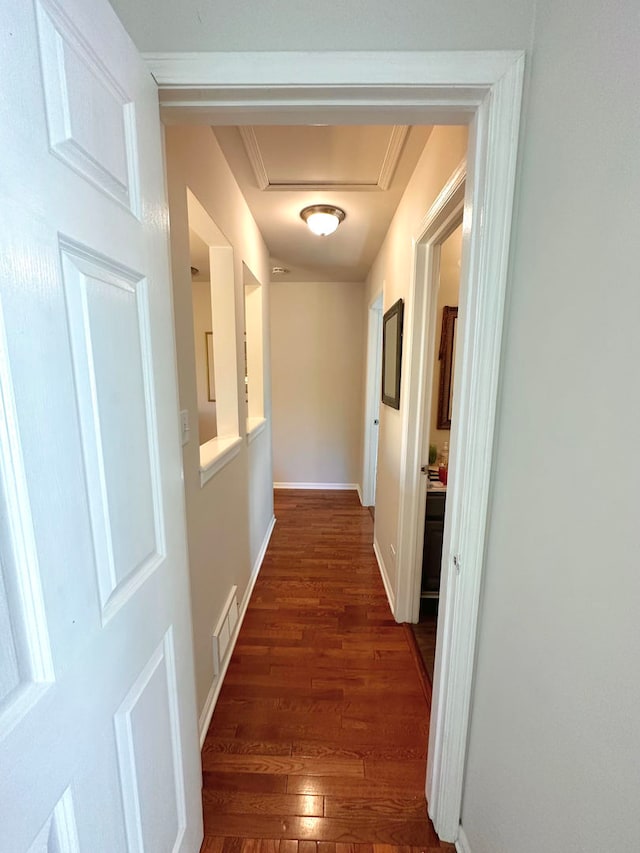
x=361, y=170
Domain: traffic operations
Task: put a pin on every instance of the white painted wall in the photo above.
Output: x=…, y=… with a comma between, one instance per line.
x=228, y=518
x=391, y=273
x=201, y=296
x=317, y=352
x=330, y=25
x=554, y=761
x=554, y=744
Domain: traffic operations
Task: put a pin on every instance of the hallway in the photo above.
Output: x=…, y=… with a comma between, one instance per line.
x=319, y=737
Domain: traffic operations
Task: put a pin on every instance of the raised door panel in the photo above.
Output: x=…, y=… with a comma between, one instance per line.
x=107, y=307
x=149, y=753
x=91, y=120
x=25, y=654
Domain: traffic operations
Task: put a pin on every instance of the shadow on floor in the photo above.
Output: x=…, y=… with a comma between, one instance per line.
x=425, y=634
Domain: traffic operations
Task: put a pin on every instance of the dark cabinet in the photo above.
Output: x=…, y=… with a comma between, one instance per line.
x=432, y=549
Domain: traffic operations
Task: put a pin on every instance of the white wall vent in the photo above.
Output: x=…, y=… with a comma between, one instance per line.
x=224, y=630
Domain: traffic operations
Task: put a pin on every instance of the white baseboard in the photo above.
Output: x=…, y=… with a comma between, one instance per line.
x=330, y=486
x=359, y=491
x=462, y=842
x=385, y=578
x=214, y=692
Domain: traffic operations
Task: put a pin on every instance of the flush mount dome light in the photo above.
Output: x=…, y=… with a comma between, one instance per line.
x=322, y=219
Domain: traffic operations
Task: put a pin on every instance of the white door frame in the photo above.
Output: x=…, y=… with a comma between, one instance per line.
x=482, y=89
x=372, y=401
x=458, y=612
x=444, y=216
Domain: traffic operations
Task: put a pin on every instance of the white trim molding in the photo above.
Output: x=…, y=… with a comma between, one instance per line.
x=230, y=74
x=462, y=842
x=392, y=155
x=420, y=339
x=254, y=427
x=388, y=587
x=482, y=89
x=254, y=155
x=489, y=192
x=335, y=487
x=215, y=454
x=204, y=720
x=388, y=165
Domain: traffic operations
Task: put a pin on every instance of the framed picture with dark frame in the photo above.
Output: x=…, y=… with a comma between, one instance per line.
x=392, y=354
x=447, y=356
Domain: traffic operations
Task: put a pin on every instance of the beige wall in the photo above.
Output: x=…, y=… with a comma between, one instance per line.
x=201, y=295
x=448, y=291
x=226, y=519
x=317, y=352
x=391, y=274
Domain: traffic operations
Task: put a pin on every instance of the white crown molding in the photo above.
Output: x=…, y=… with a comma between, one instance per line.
x=389, y=165
x=252, y=147
x=392, y=155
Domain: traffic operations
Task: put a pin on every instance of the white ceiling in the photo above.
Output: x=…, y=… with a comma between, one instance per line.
x=362, y=169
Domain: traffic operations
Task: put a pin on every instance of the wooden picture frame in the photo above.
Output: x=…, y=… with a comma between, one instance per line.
x=392, y=354
x=447, y=360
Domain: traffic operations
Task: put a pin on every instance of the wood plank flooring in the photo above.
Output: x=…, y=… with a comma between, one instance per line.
x=318, y=741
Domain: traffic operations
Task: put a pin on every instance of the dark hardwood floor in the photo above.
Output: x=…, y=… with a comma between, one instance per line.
x=318, y=741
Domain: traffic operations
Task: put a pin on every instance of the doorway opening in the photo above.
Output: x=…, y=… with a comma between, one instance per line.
x=214, y=327
x=443, y=288
x=483, y=92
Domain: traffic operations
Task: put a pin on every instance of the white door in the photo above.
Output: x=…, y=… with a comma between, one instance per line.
x=373, y=394
x=375, y=420
x=98, y=737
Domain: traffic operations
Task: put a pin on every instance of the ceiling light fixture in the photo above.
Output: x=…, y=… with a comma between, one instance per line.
x=322, y=219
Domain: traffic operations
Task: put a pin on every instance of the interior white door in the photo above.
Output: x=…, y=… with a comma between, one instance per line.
x=98, y=735
x=375, y=421
x=373, y=395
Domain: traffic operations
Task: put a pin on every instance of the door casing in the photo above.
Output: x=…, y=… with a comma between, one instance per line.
x=482, y=89
x=444, y=216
